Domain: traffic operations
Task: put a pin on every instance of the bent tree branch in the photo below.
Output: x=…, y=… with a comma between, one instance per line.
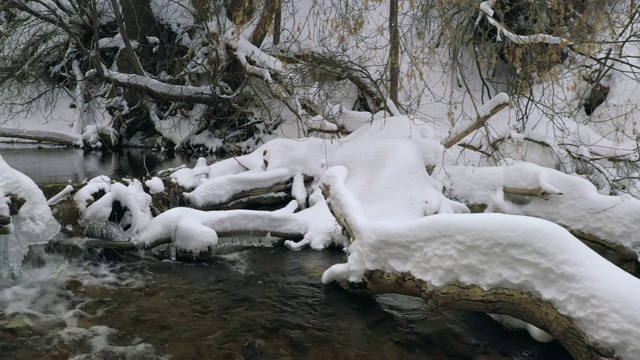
x=516, y=303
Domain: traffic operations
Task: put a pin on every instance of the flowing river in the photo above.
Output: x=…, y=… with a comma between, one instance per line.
x=260, y=303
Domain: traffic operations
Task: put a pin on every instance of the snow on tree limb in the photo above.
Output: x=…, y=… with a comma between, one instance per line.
x=609, y=220
x=485, y=112
x=527, y=255
x=310, y=224
x=225, y=188
x=487, y=10
x=200, y=94
x=59, y=137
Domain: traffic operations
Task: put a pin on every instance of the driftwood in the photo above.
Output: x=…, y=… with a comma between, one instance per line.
x=267, y=198
x=515, y=303
x=67, y=214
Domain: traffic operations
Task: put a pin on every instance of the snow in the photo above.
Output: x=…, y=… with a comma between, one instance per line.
x=389, y=178
x=85, y=194
x=168, y=90
x=155, y=185
x=298, y=190
x=487, y=108
x=315, y=223
x=33, y=224
x=132, y=197
x=404, y=193
x=65, y=193
x=580, y=207
x=534, y=255
x=513, y=323
x=222, y=189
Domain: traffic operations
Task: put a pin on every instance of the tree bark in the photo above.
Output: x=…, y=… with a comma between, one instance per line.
x=16, y=204
x=515, y=303
x=394, y=52
x=267, y=16
x=455, y=138
x=277, y=22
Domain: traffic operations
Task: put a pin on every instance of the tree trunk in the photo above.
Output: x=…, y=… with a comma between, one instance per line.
x=515, y=303
x=394, y=52
x=267, y=16
x=277, y=22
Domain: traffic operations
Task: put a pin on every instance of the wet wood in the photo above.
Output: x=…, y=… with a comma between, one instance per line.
x=516, y=303
x=16, y=204
x=470, y=297
x=284, y=186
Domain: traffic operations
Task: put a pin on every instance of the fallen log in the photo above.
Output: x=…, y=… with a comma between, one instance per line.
x=256, y=193
x=618, y=254
x=462, y=297
x=493, y=270
x=62, y=138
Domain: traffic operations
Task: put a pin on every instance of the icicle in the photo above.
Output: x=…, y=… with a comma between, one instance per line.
x=5, y=264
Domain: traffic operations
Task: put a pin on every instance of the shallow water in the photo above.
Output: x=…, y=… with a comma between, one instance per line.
x=264, y=303
x=56, y=165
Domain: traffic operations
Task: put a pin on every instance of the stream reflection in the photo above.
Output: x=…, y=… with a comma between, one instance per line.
x=265, y=303
x=53, y=165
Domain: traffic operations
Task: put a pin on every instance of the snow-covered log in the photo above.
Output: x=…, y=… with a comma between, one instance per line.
x=612, y=222
x=26, y=216
x=520, y=266
x=58, y=137
x=195, y=230
x=463, y=297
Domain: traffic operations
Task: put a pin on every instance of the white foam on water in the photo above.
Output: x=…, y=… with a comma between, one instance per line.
x=39, y=299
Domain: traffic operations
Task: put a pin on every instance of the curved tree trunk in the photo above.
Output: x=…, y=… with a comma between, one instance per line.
x=515, y=303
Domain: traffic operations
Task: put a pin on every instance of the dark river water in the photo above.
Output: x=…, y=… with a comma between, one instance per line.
x=60, y=165
x=261, y=303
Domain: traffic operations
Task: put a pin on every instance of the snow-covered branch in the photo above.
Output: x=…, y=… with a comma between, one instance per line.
x=195, y=230
x=59, y=137
x=487, y=10
x=571, y=201
x=485, y=112
x=162, y=90
x=443, y=258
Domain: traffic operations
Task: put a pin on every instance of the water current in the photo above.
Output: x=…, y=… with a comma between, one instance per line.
x=260, y=303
